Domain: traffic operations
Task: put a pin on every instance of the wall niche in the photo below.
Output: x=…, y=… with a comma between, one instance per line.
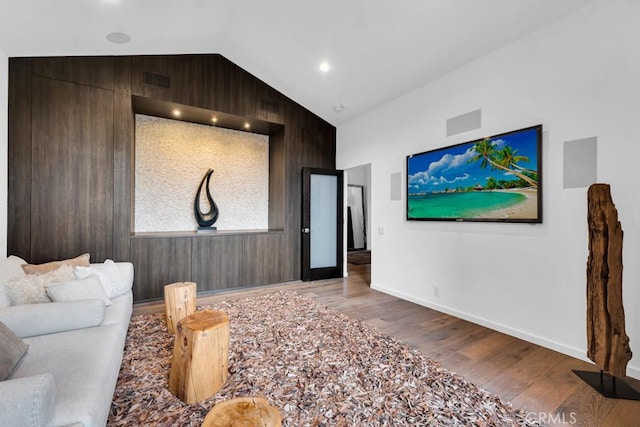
x=172, y=156
x=174, y=147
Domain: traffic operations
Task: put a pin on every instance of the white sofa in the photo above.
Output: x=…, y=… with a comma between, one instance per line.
x=68, y=374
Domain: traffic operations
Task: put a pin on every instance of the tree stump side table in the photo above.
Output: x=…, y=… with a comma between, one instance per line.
x=179, y=302
x=200, y=362
x=243, y=412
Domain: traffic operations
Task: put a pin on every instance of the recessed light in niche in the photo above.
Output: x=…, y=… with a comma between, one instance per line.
x=214, y=120
x=247, y=125
x=177, y=113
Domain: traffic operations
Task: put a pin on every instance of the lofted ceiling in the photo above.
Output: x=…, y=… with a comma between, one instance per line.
x=377, y=50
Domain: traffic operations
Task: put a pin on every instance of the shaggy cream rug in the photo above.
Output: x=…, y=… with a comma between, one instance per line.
x=317, y=366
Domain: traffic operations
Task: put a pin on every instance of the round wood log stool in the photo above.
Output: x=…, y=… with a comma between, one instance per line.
x=243, y=412
x=179, y=302
x=200, y=362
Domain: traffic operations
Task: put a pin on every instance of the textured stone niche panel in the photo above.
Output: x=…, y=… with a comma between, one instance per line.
x=171, y=157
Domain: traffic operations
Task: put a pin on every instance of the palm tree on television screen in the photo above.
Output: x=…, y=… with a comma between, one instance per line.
x=487, y=152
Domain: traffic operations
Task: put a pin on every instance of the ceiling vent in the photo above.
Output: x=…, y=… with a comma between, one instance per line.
x=158, y=80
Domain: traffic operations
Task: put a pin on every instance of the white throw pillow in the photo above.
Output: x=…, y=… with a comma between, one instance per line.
x=31, y=288
x=79, y=289
x=109, y=276
x=9, y=268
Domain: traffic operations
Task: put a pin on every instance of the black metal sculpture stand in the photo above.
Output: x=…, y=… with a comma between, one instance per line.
x=205, y=219
x=608, y=385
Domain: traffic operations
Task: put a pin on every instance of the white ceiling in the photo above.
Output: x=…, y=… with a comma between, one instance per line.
x=378, y=49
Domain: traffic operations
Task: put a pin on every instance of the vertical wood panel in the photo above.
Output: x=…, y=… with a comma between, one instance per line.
x=187, y=78
x=219, y=83
x=310, y=142
x=269, y=103
x=123, y=160
x=277, y=184
x=263, y=260
x=217, y=262
x=19, y=159
x=94, y=71
x=153, y=64
x=159, y=262
x=72, y=171
x=243, y=96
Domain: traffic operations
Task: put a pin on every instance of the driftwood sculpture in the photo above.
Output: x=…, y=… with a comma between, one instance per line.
x=608, y=343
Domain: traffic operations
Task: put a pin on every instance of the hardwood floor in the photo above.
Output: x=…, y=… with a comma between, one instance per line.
x=531, y=377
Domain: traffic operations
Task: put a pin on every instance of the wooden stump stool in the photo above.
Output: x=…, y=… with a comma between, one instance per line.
x=200, y=362
x=179, y=302
x=243, y=412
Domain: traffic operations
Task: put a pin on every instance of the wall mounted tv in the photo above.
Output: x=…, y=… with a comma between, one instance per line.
x=494, y=179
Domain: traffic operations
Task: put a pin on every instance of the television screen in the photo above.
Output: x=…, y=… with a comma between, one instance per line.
x=498, y=178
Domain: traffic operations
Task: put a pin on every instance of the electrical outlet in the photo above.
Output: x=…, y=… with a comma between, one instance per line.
x=436, y=292
x=380, y=230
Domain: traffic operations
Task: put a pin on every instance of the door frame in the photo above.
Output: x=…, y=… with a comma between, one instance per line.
x=308, y=273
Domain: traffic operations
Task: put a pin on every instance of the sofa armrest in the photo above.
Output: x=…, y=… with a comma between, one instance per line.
x=50, y=317
x=27, y=401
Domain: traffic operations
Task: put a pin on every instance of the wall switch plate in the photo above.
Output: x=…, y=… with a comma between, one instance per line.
x=380, y=230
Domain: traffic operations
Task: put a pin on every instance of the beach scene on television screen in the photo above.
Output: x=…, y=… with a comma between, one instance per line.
x=489, y=179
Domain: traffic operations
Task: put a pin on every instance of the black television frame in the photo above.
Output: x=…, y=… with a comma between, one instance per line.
x=456, y=150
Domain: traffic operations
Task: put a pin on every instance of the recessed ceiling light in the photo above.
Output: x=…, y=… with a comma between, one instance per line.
x=177, y=113
x=325, y=66
x=214, y=120
x=118, y=37
x=247, y=125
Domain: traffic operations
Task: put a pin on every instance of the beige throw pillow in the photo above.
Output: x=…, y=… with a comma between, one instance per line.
x=82, y=260
x=31, y=289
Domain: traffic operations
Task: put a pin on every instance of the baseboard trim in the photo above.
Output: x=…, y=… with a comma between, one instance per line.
x=543, y=342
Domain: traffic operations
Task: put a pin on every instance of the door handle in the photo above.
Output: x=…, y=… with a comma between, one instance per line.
x=306, y=230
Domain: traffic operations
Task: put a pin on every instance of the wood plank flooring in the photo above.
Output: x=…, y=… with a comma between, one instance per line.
x=533, y=378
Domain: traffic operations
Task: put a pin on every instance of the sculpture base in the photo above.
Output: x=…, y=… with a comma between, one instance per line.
x=206, y=230
x=608, y=385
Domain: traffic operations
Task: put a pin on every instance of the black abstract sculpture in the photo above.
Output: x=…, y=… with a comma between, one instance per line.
x=205, y=219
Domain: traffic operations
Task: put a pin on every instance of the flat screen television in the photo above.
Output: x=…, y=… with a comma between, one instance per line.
x=495, y=179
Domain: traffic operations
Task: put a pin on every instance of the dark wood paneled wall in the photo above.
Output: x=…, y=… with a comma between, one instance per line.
x=71, y=167
x=71, y=164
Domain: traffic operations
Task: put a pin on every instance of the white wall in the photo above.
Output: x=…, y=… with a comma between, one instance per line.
x=579, y=78
x=4, y=95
